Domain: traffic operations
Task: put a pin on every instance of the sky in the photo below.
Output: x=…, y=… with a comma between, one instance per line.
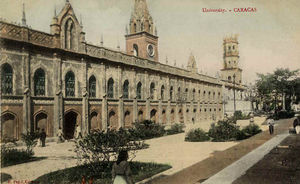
x=268, y=38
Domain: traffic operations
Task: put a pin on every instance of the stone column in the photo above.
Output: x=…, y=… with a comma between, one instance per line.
x=85, y=127
x=134, y=95
x=168, y=110
x=104, y=98
x=27, y=108
x=147, y=95
x=160, y=111
x=121, y=102
x=58, y=98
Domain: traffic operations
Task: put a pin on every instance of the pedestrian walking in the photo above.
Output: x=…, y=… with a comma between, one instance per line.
x=60, y=136
x=270, y=122
x=43, y=137
x=121, y=173
x=296, y=124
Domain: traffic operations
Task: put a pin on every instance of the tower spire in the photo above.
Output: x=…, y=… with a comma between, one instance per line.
x=23, y=16
x=101, y=42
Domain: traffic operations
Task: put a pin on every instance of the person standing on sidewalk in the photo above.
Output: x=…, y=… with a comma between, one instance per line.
x=270, y=122
x=296, y=124
x=43, y=137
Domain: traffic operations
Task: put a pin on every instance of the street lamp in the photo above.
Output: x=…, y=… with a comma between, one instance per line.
x=234, y=107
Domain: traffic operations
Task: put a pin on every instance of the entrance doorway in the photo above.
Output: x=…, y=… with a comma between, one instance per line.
x=69, y=124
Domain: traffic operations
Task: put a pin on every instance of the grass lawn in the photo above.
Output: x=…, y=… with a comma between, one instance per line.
x=140, y=171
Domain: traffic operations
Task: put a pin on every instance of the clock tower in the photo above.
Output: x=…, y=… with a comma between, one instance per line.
x=141, y=38
x=231, y=71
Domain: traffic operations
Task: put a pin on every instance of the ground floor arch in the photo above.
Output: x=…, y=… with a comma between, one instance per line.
x=71, y=119
x=41, y=122
x=9, y=126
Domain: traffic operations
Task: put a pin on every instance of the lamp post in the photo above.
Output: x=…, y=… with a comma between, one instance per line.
x=234, y=107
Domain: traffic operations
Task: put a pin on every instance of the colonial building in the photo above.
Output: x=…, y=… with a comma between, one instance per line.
x=57, y=79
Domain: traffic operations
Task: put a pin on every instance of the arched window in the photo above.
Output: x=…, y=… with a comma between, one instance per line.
x=178, y=94
x=92, y=86
x=7, y=79
x=139, y=91
x=125, y=89
x=162, y=92
x=142, y=27
x=70, y=34
x=39, y=82
x=229, y=78
x=193, y=97
x=134, y=27
x=110, y=88
x=70, y=84
x=152, y=89
x=186, y=93
x=171, y=93
x=135, y=50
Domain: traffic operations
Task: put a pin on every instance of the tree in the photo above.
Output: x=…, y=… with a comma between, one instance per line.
x=282, y=84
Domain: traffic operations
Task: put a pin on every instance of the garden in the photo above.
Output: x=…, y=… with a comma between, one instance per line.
x=222, y=131
x=97, y=152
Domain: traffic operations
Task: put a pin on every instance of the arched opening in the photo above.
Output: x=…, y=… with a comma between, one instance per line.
x=39, y=82
x=178, y=94
x=194, y=92
x=9, y=127
x=70, y=122
x=171, y=93
x=229, y=78
x=6, y=79
x=139, y=91
x=94, y=121
x=164, y=117
x=112, y=120
x=186, y=94
x=180, y=114
x=134, y=27
x=126, y=89
x=92, y=86
x=162, y=92
x=70, y=84
x=127, y=119
x=152, y=89
x=153, y=115
x=110, y=88
x=41, y=122
x=140, y=116
x=135, y=50
x=172, y=117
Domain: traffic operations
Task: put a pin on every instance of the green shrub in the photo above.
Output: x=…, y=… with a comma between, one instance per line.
x=147, y=130
x=12, y=156
x=175, y=129
x=30, y=139
x=196, y=135
x=224, y=131
x=99, y=147
x=238, y=115
x=251, y=130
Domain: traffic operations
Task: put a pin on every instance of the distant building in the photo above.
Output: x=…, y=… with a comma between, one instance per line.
x=58, y=80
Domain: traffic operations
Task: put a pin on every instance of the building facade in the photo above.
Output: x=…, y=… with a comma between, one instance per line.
x=57, y=79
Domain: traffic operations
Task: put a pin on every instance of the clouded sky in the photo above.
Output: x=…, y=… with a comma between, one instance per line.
x=269, y=38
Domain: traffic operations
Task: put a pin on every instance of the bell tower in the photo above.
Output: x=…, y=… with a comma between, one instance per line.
x=141, y=38
x=231, y=72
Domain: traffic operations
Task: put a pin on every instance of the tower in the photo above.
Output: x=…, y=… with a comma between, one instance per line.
x=192, y=66
x=141, y=39
x=231, y=71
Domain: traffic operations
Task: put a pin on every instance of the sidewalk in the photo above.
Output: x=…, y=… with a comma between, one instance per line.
x=203, y=170
x=281, y=165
